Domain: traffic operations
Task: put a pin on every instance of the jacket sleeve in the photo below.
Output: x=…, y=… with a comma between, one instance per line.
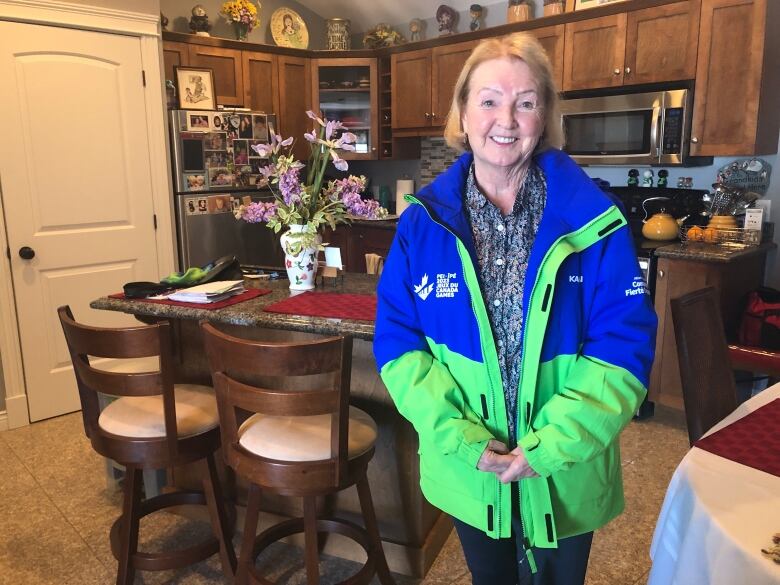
x=422, y=387
x=609, y=379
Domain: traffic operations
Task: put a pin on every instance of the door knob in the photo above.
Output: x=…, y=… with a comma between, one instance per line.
x=628, y=70
x=695, y=140
x=616, y=71
x=26, y=253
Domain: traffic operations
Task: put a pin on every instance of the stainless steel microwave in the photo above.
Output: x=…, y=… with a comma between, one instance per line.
x=650, y=128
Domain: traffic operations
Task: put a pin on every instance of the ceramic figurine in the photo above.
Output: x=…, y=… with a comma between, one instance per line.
x=647, y=178
x=633, y=178
x=415, y=30
x=446, y=17
x=518, y=11
x=199, y=23
x=163, y=21
x=663, y=178
x=475, y=12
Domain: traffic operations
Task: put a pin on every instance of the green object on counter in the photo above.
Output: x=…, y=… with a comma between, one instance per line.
x=190, y=276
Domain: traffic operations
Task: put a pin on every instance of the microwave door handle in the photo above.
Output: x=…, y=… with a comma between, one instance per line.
x=656, y=126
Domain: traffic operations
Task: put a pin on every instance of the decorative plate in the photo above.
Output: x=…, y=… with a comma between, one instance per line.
x=288, y=29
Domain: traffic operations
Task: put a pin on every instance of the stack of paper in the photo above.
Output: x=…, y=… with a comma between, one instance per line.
x=210, y=292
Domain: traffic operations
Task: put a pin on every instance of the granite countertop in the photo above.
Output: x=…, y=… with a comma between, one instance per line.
x=700, y=252
x=251, y=312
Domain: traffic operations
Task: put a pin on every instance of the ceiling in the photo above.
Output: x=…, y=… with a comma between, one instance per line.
x=365, y=14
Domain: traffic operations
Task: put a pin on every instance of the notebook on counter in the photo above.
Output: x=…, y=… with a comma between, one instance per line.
x=210, y=292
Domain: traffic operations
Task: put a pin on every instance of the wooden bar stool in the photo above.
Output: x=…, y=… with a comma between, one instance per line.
x=295, y=442
x=153, y=424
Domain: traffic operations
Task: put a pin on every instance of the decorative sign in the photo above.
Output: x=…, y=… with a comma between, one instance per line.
x=751, y=174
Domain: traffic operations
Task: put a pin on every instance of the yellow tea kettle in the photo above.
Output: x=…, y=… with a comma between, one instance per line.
x=661, y=226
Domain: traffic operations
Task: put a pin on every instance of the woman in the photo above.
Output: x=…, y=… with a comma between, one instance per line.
x=506, y=331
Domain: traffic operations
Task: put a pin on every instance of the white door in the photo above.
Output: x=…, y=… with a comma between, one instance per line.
x=76, y=186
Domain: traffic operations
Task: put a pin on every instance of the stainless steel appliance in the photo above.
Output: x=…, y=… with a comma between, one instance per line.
x=214, y=170
x=649, y=128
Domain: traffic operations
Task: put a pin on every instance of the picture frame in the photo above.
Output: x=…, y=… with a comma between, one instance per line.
x=572, y=5
x=195, y=88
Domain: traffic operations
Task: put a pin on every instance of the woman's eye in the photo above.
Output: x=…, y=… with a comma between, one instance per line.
x=487, y=103
x=527, y=105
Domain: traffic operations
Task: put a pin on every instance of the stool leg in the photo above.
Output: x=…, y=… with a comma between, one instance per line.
x=247, y=557
x=128, y=533
x=369, y=516
x=219, y=521
x=310, y=538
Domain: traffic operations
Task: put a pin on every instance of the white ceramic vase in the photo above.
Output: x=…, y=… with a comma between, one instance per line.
x=301, y=267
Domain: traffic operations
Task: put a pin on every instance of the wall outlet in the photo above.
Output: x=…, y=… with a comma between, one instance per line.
x=766, y=205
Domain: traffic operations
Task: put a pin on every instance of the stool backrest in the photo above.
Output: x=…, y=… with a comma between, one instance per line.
x=709, y=391
x=121, y=343
x=242, y=371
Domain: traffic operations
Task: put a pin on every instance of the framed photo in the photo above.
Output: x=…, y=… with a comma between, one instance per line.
x=197, y=122
x=582, y=4
x=195, y=88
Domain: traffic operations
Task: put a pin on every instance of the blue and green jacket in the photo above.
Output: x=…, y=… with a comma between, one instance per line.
x=587, y=348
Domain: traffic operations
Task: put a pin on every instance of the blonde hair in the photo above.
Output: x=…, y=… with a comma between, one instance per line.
x=521, y=46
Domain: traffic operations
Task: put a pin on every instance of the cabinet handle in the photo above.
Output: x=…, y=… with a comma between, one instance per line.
x=661, y=274
x=694, y=140
x=373, y=149
x=616, y=71
x=427, y=116
x=433, y=115
x=628, y=70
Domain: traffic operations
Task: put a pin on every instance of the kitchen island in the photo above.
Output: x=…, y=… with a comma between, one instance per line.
x=412, y=530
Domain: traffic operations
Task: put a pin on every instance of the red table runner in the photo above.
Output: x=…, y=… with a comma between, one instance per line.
x=336, y=305
x=244, y=296
x=753, y=440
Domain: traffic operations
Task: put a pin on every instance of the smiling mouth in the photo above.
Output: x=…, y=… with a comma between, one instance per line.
x=503, y=139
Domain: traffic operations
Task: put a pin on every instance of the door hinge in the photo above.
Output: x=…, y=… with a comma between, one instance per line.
x=143, y=77
x=154, y=220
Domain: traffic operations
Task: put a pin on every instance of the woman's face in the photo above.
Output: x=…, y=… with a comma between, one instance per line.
x=502, y=117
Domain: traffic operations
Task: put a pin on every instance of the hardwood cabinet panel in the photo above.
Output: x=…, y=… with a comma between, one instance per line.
x=446, y=64
x=661, y=43
x=594, y=52
x=368, y=240
x=174, y=55
x=737, y=60
x=294, y=101
x=260, y=81
x=551, y=38
x=228, y=74
x=411, y=89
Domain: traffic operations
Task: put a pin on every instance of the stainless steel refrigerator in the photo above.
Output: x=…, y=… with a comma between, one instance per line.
x=214, y=171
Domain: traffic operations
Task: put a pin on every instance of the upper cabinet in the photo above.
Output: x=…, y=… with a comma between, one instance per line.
x=227, y=68
x=347, y=90
x=735, y=110
x=174, y=55
x=551, y=38
x=422, y=85
x=261, y=76
x=294, y=101
x=644, y=46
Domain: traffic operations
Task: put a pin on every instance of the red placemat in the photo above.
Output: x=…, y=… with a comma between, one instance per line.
x=753, y=440
x=316, y=304
x=244, y=296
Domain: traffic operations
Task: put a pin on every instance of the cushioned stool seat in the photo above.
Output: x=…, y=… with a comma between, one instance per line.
x=144, y=416
x=304, y=438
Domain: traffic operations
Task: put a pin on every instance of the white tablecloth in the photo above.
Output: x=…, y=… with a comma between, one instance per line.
x=716, y=518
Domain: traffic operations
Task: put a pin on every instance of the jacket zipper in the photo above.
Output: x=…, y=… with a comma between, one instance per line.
x=490, y=380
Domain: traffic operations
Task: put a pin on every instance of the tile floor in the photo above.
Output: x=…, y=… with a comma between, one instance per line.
x=55, y=514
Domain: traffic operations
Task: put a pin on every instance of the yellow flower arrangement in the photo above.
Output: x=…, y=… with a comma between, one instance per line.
x=240, y=11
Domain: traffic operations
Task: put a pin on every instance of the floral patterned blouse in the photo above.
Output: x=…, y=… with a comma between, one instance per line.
x=503, y=246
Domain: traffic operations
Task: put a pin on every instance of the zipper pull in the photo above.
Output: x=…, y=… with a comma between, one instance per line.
x=531, y=561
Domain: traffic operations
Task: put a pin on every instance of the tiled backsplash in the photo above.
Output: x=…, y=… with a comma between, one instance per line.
x=435, y=157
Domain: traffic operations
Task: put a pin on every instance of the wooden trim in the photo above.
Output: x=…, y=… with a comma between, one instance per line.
x=3, y=421
x=80, y=16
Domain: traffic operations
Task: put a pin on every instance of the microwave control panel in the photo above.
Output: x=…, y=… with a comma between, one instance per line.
x=673, y=130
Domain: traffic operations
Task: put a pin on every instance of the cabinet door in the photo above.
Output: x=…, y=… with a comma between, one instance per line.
x=339, y=238
x=551, y=38
x=260, y=75
x=228, y=76
x=411, y=89
x=294, y=101
x=174, y=55
x=661, y=43
x=729, y=78
x=368, y=240
x=593, y=53
x=447, y=62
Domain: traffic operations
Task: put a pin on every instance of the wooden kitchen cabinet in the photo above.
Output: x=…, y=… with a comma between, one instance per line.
x=358, y=239
x=551, y=38
x=678, y=276
x=652, y=45
x=423, y=83
x=294, y=100
x=261, y=74
x=347, y=90
x=735, y=110
x=174, y=55
x=228, y=73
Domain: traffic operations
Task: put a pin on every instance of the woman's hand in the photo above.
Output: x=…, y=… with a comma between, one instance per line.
x=518, y=468
x=495, y=458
